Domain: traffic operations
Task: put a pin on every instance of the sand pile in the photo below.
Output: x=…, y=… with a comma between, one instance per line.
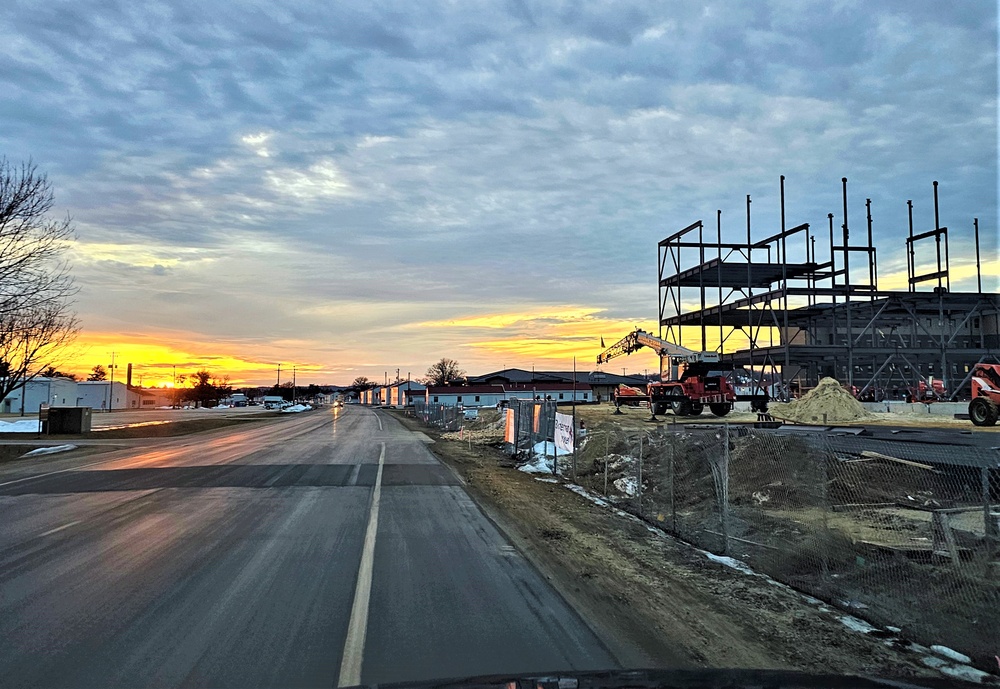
x=827, y=398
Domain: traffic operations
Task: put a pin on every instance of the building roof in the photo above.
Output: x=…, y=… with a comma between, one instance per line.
x=520, y=376
x=511, y=388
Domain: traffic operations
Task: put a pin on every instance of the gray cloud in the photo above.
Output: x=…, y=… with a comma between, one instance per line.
x=451, y=157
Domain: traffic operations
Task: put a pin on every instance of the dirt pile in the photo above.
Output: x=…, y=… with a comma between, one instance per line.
x=828, y=402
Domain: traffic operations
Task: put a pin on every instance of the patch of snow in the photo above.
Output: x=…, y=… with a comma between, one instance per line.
x=583, y=492
x=296, y=408
x=956, y=670
x=49, y=450
x=856, y=625
x=627, y=485
x=546, y=480
x=537, y=465
x=546, y=447
x=22, y=426
x=951, y=654
x=731, y=562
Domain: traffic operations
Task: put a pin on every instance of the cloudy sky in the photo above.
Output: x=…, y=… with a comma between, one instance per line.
x=352, y=188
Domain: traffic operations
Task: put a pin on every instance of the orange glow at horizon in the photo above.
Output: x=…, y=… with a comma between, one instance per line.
x=155, y=363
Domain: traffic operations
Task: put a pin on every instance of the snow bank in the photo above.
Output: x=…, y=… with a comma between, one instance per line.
x=539, y=464
x=296, y=408
x=49, y=450
x=22, y=426
x=541, y=458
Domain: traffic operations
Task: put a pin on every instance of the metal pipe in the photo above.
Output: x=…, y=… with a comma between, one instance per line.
x=718, y=232
x=847, y=295
x=871, y=264
x=979, y=273
x=911, y=267
x=937, y=236
x=701, y=287
x=749, y=290
x=784, y=287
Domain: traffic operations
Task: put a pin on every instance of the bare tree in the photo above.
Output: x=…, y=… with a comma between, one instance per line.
x=362, y=383
x=98, y=373
x=444, y=372
x=36, y=288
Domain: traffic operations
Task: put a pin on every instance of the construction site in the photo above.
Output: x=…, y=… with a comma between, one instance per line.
x=804, y=303
x=798, y=473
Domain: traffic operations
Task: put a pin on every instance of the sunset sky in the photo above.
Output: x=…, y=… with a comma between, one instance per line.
x=355, y=188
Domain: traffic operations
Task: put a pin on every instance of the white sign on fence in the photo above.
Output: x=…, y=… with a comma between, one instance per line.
x=564, y=432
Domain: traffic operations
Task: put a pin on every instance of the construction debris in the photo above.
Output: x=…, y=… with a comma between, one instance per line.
x=828, y=402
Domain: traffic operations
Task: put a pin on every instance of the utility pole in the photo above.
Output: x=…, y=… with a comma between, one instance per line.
x=111, y=387
x=294, y=384
x=279, y=376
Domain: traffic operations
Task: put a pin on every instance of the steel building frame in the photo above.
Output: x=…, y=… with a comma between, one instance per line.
x=831, y=318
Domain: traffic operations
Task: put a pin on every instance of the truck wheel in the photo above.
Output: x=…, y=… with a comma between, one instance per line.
x=679, y=404
x=758, y=406
x=659, y=408
x=697, y=408
x=721, y=409
x=983, y=412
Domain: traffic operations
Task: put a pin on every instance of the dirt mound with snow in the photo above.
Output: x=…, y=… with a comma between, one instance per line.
x=828, y=402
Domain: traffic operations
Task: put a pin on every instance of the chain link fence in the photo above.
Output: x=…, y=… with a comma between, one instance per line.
x=901, y=534
x=445, y=417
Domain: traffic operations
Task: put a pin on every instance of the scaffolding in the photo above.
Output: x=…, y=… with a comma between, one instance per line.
x=827, y=313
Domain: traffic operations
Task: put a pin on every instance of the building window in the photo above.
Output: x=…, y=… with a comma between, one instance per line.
x=560, y=395
x=435, y=398
x=458, y=399
x=477, y=398
x=584, y=395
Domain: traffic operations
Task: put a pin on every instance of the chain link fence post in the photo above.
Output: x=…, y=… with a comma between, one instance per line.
x=638, y=489
x=725, y=490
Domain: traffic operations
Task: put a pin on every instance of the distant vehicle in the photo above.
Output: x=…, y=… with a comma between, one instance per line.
x=338, y=403
x=470, y=414
x=273, y=401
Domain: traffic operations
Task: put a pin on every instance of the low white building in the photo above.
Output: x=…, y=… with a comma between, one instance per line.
x=403, y=393
x=103, y=395
x=55, y=392
x=491, y=395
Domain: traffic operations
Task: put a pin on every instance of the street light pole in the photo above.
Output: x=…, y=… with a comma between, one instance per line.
x=294, y=383
x=279, y=376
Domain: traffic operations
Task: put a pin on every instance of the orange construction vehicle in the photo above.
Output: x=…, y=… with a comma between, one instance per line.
x=689, y=381
x=984, y=409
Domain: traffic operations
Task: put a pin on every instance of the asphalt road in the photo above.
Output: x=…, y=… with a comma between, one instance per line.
x=323, y=549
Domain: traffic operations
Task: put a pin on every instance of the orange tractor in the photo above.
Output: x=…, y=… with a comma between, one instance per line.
x=984, y=409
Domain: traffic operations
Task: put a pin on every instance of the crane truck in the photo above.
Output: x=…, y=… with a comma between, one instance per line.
x=703, y=382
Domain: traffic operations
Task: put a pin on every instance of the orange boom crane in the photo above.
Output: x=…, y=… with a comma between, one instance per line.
x=703, y=382
x=984, y=409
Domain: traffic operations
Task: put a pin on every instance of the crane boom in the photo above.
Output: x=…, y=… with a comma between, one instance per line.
x=637, y=339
